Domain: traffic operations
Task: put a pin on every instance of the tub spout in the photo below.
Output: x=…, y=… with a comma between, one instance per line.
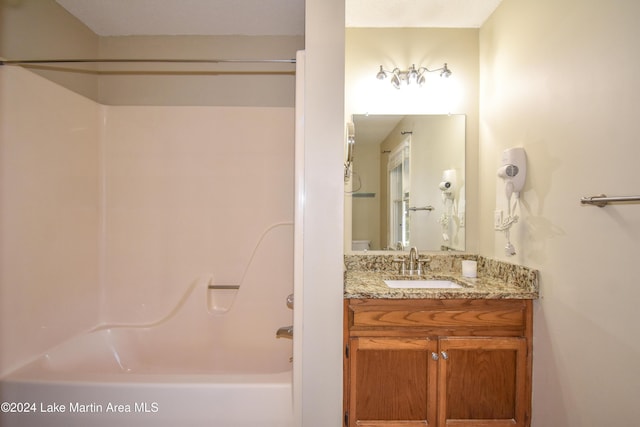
x=285, y=332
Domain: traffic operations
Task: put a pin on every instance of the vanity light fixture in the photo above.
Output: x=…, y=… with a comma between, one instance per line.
x=411, y=76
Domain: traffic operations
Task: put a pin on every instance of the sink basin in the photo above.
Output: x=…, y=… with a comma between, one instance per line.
x=422, y=284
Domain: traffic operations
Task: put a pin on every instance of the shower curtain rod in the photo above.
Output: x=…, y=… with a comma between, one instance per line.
x=174, y=61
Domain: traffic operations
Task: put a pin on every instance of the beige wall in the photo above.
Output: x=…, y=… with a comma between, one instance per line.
x=42, y=29
x=365, y=219
x=560, y=79
x=257, y=84
x=368, y=48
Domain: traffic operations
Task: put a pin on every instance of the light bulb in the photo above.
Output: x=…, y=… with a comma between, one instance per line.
x=412, y=75
x=395, y=81
x=445, y=71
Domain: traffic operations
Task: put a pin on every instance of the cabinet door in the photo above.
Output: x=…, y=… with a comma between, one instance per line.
x=482, y=382
x=393, y=381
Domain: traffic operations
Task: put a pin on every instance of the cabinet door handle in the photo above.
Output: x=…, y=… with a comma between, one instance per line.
x=434, y=355
x=444, y=354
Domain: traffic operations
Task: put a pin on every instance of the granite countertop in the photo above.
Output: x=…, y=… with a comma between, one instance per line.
x=365, y=274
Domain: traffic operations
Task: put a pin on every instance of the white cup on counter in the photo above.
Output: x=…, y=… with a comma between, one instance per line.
x=469, y=268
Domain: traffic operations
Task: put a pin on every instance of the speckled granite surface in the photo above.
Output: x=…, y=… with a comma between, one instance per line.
x=365, y=274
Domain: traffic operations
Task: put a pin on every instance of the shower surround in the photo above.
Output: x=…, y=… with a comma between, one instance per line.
x=110, y=213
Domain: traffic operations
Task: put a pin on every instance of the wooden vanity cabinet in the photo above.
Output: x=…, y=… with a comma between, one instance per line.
x=437, y=362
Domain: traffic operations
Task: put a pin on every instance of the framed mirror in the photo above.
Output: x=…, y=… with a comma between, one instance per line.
x=406, y=185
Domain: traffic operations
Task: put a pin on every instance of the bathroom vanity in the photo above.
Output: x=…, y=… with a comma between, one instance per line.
x=438, y=357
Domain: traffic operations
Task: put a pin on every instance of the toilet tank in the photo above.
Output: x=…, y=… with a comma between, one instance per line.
x=360, y=245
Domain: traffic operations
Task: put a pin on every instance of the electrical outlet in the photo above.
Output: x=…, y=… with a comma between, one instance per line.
x=497, y=219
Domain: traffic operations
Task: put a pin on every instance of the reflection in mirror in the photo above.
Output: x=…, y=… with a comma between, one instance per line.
x=407, y=183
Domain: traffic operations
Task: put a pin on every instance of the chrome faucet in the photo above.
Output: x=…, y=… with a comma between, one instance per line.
x=285, y=332
x=413, y=257
x=415, y=263
x=413, y=260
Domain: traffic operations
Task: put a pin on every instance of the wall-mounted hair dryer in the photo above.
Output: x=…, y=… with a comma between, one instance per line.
x=449, y=183
x=445, y=186
x=513, y=171
x=448, y=186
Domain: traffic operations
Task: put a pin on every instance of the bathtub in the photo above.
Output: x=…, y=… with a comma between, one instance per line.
x=126, y=376
x=197, y=366
x=43, y=398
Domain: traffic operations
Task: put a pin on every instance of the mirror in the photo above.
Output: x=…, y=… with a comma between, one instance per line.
x=407, y=182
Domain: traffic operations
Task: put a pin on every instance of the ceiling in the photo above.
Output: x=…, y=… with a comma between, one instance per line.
x=419, y=13
x=265, y=17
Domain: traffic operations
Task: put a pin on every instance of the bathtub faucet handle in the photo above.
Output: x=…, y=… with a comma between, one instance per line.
x=290, y=301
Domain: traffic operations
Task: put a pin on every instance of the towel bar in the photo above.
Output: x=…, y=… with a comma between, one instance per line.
x=602, y=200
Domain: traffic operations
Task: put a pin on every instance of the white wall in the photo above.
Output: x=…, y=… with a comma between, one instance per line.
x=318, y=400
x=560, y=78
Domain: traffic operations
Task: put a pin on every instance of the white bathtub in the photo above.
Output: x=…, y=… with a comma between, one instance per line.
x=180, y=380
x=195, y=367
x=158, y=400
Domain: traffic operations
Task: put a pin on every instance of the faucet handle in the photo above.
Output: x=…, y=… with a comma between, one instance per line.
x=290, y=301
x=402, y=268
x=420, y=263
